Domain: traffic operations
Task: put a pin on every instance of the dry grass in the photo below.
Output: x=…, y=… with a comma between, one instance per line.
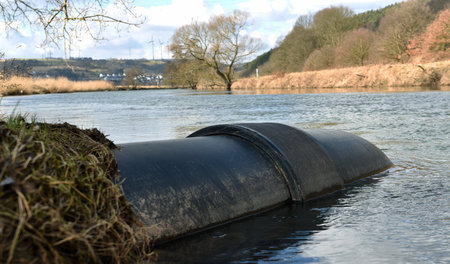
x=58, y=201
x=430, y=75
x=25, y=85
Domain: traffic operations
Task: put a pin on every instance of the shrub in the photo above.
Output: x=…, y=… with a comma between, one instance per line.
x=320, y=59
x=399, y=25
x=434, y=43
x=354, y=48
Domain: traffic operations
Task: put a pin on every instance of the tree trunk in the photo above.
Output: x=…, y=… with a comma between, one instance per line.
x=224, y=78
x=229, y=86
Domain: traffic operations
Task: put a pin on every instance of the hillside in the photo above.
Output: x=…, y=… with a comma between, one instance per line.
x=276, y=60
x=78, y=69
x=335, y=37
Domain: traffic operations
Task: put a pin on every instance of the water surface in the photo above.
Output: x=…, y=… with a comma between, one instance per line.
x=402, y=216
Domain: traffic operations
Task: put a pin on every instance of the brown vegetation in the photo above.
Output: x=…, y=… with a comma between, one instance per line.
x=354, y=48
x=430, y=75
x=132, y=77
x=434, y=43
x=25, y=85
x=59, y=202
x=399, y=33
x=399, y=25
x=190, y=74
x=330, y=24
x=218, y=44
x=320, y=59
x=334, y=37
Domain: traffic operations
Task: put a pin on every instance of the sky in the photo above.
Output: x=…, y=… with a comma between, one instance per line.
x=270, y=20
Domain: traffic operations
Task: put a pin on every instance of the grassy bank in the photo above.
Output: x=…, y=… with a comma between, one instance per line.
x=26, y=86
x=430, y=75
x=58, y=202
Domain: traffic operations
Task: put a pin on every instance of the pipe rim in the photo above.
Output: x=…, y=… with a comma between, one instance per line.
x=265, y=145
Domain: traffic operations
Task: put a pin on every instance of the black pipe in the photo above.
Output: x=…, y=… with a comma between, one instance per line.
x=224, y=172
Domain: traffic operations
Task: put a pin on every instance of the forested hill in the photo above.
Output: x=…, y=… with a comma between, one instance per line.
x=81, y=68
x=337, y=37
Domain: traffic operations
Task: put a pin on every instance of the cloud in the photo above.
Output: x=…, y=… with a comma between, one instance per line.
x=273, y=19
x=270, y=19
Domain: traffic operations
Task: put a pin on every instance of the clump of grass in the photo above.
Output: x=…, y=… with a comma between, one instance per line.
x=58, y=199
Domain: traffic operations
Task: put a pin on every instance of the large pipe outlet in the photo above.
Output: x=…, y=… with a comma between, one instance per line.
x=224, y=172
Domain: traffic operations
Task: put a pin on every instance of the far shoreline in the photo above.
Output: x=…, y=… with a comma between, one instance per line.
x=19, y=86
x=340, y=90
x=406, y=77
x=370, y=78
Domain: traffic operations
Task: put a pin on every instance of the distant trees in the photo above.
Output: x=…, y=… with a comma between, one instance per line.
x=187, y=73
x=438, y=5
x=399, y=25
x=13, y=67
x=249, y=69
x=434, y=43
x=354, y=48
x=371, y=19
x=442, y=39
x=311, y=42
x=296, y=47
x=132, y=77
x=330, y=24
x=219, y=44
x=320, y=59
x=2, y=76
x=336, y=37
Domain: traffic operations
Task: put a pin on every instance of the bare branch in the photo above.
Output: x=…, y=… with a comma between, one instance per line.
x=68, y=20
x=220, y=44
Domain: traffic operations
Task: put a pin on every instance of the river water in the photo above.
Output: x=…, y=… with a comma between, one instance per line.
x=402, y=216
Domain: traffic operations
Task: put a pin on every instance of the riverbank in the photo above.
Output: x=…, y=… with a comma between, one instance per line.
x=27, y=86
x=371, y=78
x=58, y=199
x=392, y=77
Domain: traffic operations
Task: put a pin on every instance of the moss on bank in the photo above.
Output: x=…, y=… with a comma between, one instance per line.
x=58, y=199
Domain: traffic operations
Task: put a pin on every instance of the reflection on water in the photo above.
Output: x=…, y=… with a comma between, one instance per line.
x=279, y=235
x=338, y=90
x=400, y=217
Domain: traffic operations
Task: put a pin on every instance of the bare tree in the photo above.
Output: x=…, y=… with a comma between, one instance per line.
x=189, y=73
x=220, y=44
x=133, y=77
x=330, y=24
x=434, y=43
x=354, y=47
x=67, y=20
x=320, y=59
x=398, y=26
x=13, y=67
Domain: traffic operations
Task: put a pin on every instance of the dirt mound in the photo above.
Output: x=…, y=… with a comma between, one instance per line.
x=59, y=202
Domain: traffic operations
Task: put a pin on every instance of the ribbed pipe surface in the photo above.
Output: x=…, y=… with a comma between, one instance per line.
x=224, y=172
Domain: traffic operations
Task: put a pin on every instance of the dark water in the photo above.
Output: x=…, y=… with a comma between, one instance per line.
x=402, y=216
